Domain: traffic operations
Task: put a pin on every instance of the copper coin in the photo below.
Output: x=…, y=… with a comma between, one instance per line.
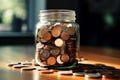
x=71, y=30
x=65, y=35
x=55, y=51
x=64, y=58
x=47, y=36
x=56, y=30
x=44, y=54
x=59, y=60
x=59, y=42
x=46, y=71
x=41, y=32
x=51, y=61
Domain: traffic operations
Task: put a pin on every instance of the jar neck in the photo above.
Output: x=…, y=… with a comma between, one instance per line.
x=55, y=15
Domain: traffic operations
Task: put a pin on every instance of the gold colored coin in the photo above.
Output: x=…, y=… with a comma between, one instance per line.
x=51, y=61
x=56, y=30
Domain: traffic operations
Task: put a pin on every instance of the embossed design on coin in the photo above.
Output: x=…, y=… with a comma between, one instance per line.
x=44, y=54
x=47, y=36
x=51, y=61
x=65, y=35
x=64, y=58
x=59, y=42
x=56, y=31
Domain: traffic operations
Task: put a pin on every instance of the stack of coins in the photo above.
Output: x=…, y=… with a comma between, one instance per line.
x=56, y=44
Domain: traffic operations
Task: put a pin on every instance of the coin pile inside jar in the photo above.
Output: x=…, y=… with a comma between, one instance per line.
x=56, y=44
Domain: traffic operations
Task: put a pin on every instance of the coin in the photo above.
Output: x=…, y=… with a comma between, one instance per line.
x=28, y=68
x=79, y=74
x=55, y=51
x=59, y=60
x=65, y=35
x=93, y=75
x=14, y=63
x=38, y=60
x=71, y=30
x=51, y=61
x=59, y=42
x=41, y=32
x=44, y=54
x=65, y=72
x=39, y=68
x=46, y=71
x=47, y=36
x=56, y=30
x=64, y=58
x=20, y=66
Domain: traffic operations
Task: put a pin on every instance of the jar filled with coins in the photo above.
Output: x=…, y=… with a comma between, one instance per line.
x=57, y=38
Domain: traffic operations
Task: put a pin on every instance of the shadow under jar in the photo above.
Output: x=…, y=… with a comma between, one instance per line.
x=57, y=38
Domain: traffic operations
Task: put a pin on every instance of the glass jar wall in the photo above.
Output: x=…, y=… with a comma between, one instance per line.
x=57, y=38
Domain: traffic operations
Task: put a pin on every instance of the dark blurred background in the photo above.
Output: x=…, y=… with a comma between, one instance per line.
x=98, y=20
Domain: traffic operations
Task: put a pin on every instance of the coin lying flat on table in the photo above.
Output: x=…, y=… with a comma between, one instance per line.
x=79, y=74
x=59, y=42
x=93, y=75
x=20, y=66
x=46, y=71
x=64, y=58
x=65, y=72
x=14, y=63
x=56, y=30
x=51, y=61
x=28, y=68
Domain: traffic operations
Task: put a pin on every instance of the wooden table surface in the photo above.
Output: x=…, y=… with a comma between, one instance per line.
x=22, y=53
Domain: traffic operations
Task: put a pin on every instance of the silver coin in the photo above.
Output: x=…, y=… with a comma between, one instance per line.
x=79, y=74
x=93, y=75
x=66, y=72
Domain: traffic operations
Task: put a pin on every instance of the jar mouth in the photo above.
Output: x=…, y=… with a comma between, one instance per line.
x=58, y=14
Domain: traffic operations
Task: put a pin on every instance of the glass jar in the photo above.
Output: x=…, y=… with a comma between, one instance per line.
x=57, y=38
